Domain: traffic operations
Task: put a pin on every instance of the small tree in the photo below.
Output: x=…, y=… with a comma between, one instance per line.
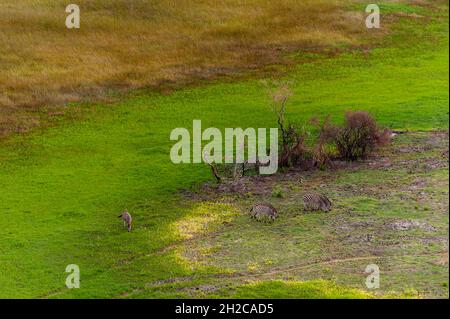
x=292, y=142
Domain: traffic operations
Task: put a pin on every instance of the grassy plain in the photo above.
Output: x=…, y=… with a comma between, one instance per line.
x=131, y=44
x=62, y=187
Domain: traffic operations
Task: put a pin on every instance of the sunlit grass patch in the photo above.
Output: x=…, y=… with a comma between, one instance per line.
x=205, y=218
x=317, y=289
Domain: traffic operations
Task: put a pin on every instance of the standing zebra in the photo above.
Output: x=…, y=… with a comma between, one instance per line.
x=127, y=220
x=261, y=211
x=316, y=201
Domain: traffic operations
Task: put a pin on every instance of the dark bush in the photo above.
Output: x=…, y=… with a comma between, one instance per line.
x=359, y=136
x=293, y=150
x=321, y=154
x=355, y=139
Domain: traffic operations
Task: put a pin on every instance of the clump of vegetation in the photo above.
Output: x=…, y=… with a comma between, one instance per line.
x=359, y=136
x=321, y=154
x=293, y=149
x=355, y=139
x=277, y=192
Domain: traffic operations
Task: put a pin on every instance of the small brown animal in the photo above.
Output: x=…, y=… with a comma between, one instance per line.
x=127, y=220
x=261, y=211
x=315, y=201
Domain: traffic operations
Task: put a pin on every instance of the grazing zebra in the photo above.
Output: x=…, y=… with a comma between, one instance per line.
x=315, y=201
x=127, y=220
x=263, y=211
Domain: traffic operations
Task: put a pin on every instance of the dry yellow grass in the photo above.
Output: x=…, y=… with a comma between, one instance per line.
x=126, y=44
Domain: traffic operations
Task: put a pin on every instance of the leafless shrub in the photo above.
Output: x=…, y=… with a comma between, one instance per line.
x=293, y=150
x=215, y=171
x=321, y=155
x=233, y=171
x=359, y=136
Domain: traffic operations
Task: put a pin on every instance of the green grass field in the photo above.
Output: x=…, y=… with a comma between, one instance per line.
x=61, y=188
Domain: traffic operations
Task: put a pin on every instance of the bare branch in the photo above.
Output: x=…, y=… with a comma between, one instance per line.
x=214, y=171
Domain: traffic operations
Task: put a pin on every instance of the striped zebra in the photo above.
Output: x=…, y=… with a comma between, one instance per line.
x=263, y=211
x=127, y=220
x=315, y=201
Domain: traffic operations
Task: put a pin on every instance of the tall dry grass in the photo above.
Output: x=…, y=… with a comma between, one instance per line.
x=126, y=44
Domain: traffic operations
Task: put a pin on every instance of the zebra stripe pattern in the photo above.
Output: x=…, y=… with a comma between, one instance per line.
x=315, y=201
x=261, y=211
x=127, y=220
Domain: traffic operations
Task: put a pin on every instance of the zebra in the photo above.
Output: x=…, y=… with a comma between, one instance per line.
x=315, y=201
x=261, y=211
x=127, y=220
